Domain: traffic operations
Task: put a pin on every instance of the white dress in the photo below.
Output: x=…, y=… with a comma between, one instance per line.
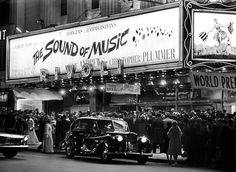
x=47, y=139
x=33, y=139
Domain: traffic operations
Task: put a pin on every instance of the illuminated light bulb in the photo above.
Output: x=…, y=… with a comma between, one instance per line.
x=163, y=82
x=102, y=87
x=176, y=81
x=91, y=88
x=62, y=92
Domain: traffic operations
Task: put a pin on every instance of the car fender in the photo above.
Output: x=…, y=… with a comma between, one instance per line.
x=69, y=139
x=102, y=144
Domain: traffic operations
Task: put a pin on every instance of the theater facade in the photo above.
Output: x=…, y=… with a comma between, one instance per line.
x=178, y=55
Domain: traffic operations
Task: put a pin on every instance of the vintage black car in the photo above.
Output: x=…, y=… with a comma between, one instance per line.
x=11, y=144
x=107, y=138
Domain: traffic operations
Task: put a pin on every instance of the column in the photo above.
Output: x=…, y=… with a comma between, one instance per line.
x=32, y=14
x=50, y=11
x=17, y=13
x=76, y=10
x=92, y=100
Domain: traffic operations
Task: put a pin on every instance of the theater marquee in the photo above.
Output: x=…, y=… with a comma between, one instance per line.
x=140, y=40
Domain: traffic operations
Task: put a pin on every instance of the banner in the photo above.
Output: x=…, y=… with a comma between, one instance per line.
x=224, y=81
x=119, y=88
x=26, y=104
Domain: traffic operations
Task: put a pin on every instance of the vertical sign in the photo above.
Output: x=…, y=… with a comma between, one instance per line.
x=4, y=32
x=70, y=69
x=103, y=68
x=120, y=66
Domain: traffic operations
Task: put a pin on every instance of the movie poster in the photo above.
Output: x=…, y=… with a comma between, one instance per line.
x=214, y=35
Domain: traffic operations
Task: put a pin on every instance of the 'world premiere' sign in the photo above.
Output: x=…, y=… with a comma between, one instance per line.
x=224, y=81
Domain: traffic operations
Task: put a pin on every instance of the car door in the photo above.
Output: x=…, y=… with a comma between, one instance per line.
x=91, y=139
x=81, y=130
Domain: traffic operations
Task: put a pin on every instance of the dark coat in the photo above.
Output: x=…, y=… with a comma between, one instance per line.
x=141, y=127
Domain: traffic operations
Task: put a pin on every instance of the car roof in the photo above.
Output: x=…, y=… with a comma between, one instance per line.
x=100, y=118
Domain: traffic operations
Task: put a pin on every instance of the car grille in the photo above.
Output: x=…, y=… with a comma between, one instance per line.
x=10, y=141
x=131, y=142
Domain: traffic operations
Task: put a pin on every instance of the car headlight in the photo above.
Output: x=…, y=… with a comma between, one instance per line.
x=144, y=139
x=26, y=138
x=119, y=138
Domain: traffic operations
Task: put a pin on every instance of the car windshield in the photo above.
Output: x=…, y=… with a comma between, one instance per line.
x=105, y=125
x=120, y=125
x=113, y=125
x=82, y=124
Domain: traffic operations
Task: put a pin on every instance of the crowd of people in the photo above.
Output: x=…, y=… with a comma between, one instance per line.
x=206, y=138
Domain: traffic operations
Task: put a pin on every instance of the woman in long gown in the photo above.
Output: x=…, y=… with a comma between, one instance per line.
x=166, y=141
x=47, y=139
x=174, y=148
x=33, y=139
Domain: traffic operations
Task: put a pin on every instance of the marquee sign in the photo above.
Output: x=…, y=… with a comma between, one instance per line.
x=70, y=70
x=44, y=75
x=87, y=70
x=223, y=81
x=139, y=40
x=57, y=72
x=118, y=88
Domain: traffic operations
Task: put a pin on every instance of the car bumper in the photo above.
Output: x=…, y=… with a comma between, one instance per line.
x=130, y=154
x=13, y=147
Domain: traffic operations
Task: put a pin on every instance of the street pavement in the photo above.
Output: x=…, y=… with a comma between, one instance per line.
x=157, y=157
x=35, y=161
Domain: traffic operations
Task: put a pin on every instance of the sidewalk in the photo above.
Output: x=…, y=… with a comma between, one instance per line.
x=161, y=157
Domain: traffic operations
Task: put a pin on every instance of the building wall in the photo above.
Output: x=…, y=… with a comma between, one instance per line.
x=25, y=13
x=50, y=11
x=32, y=14
x=76, y=10
x=109, y=7
x=17, y=13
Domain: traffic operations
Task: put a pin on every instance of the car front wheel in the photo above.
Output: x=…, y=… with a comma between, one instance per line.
x=70, y=149
x=10, y=154
x=142, y=160
x=106, y=158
